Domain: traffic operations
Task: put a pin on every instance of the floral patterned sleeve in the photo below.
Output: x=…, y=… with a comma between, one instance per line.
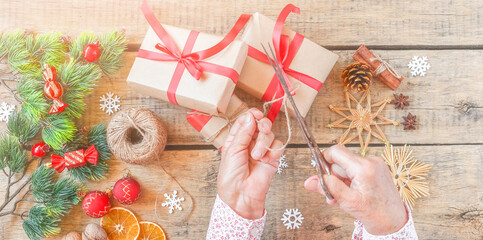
x=227, y=224
x=408, y=232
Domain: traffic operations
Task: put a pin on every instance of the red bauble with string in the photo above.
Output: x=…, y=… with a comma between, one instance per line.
x=96, y=204
x=126, y=190
x=92, y=52
x=40, y=149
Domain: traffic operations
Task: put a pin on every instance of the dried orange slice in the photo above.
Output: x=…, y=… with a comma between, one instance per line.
x=151, y=231
x=121, y=224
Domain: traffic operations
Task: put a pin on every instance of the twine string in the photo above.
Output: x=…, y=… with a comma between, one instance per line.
x=384, y=66
x=287, y=117
x=151, y=129
x=228, y=120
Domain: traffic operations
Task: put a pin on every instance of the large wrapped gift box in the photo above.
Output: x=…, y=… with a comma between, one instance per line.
x=161, y=70
x=215, y=128
x=306, y=64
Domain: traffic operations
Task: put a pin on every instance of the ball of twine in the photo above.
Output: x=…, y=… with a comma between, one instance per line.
x=136, y=135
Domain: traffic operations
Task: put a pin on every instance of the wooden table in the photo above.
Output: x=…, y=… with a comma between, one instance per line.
x=447, y=103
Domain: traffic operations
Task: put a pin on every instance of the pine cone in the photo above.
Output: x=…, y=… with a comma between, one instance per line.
x=357, y=76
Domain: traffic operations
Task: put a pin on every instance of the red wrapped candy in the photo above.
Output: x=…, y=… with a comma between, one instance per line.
x=53, y=89
x=75, y=159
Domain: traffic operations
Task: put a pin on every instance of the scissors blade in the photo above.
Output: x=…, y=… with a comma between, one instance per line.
x=322, y=165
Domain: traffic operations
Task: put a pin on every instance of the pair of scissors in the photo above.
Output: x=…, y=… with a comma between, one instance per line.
x=322, y=165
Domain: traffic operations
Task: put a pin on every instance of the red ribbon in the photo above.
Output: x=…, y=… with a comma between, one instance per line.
x=75, y=159
x=191, y=61
x=285, y=52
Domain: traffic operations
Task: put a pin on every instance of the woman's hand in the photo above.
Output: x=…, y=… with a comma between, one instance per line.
x=364, y=188
x=247, y=167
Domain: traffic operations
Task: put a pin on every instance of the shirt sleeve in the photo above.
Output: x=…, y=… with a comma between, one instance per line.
x=227, y=224
x=408, y=232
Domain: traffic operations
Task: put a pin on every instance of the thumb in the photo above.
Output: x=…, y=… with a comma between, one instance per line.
x=337, y=188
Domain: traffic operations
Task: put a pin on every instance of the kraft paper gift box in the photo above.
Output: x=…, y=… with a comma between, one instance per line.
x=310, y=59
x=163, y=80
x=215, y=128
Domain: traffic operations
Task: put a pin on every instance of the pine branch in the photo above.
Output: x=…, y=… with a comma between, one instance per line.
x=96, y=137
x=11, y=154
x=60, y=130
x=22, y=128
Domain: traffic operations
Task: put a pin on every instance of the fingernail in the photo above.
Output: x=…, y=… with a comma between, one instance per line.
x=255, y=154
x=248, y=119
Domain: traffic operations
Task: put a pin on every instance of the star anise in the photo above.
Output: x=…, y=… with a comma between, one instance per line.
x=400, y=101
x=409, y=122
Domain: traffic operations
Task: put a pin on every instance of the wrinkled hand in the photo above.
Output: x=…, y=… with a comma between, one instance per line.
x=247, y=167
x=364, y=188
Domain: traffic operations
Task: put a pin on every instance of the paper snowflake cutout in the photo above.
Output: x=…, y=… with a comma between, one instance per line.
x=313, y=163
x=173, y=201
x=5, y=111
x=282, y=163
x=110, y=103
x=292, y=218
x=419, y=66
x=362, y=118
x=409, y=175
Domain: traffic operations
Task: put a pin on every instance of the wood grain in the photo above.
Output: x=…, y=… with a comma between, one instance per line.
x=447, y=103
x=434, y=99
x=453, y=211
x=331, y=23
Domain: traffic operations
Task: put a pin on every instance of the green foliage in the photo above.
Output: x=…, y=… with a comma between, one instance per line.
x=40, y=224
x=113, y=44
x=26, y=53
x=97, y=137
x=42, y=185
x=60, y=130
x=11, y=154
x=55, y=199
x=78, y=79
x=22, y=128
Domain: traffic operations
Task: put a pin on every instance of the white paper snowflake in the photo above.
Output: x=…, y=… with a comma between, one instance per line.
x=292, y=218
x=5, y=111
x=313, y=163
x=419, y=66
x=110, y=104
x=173, y=201
x=282, y=163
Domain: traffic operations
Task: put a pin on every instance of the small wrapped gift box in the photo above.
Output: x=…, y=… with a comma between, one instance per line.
x=215, y=128
x=306, y=64
x=192, y=69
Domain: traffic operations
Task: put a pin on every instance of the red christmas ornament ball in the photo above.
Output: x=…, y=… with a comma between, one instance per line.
x=126, y=190
x=92, y=52
x=40, y=149
x=96, y=204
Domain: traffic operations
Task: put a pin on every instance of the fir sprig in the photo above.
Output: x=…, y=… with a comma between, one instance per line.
x=96, y=137
x=22, y=128
x=12, y=154
x=26, y=54
x=59, y=131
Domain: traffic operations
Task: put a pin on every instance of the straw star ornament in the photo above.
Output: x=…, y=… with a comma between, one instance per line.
x=409, y=175
x=361, y=119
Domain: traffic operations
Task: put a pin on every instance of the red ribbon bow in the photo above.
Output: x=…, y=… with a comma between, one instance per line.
x=75, y=159
x=285, y=52
x=192, y=61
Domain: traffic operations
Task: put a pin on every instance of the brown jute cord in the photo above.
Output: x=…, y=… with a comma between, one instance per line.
x=136, y=135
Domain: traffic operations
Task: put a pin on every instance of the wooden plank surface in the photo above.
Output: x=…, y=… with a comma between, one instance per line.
x=330, y=23
x=447, y=102
x=453, y=211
